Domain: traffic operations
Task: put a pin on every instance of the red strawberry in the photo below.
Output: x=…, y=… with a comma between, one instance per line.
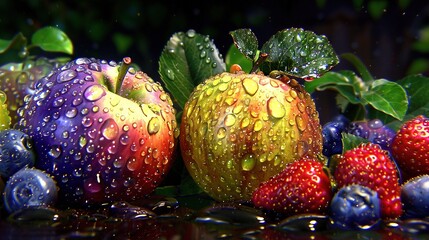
x=370, y=166
x=410, y=147
x=302, y=187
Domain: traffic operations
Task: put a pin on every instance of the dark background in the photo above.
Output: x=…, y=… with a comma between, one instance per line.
x=382, y=33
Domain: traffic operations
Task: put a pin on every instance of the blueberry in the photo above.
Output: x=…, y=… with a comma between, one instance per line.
x=355, y=207
x=415, y=197
x=29, y=187
x=331, y=133
x=16, y=152
x=374, y=131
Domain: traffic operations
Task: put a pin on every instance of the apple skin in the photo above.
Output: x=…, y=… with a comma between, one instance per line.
x=4, y=112
x=238, y=130
x=17, y=81
x=101, y=139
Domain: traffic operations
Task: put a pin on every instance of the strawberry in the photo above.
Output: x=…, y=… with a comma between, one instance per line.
x=370, y=166
x=410, y=147
x=302, y=187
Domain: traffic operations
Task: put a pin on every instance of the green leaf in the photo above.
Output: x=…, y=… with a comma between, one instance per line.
x=187, y=60
x=344, y=82
x=234, y=56
x=52, y=39
x=387, y=97
x=246, y=42
x=417, y=87
x=298, y=52
x=351, y=141
x=19, y=41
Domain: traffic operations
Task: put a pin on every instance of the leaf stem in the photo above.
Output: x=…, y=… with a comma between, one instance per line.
x=262, y=57
x=359, y=65
x=123, y=70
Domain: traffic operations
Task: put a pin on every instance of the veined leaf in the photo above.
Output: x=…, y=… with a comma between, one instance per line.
x=351, y=141
x=52, y=39
x=388, y=97
x=234, y=56
x=187, y=60
x=246, y=42
x=298, y=52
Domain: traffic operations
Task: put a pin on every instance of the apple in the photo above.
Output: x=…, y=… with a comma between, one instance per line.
x=104, y=130
x=240, y=129
x=4, y=112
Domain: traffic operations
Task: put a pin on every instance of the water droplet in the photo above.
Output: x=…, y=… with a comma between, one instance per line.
x=55, y=151
x=258, y=125
x=110, y=129
x=229, y=120
x=275, y=108
x=95, y=66
x=133, y=164
x=250, y=86
x=245, y=122
x=153, y=126
x=58, y=102
x=66, y=76
x=248, y=163
x=300, y=123
x=72, y=112
x=190, y=33
x=87, y=121
x=92, y=186
x=94, y=92
x=221, y=133
x=82, y=141
x=203, y=54
x=124, y=139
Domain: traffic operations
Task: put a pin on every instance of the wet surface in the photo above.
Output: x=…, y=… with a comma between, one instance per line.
x=195, y=217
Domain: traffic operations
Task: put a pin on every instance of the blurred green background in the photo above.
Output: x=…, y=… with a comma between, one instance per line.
x=391, y=37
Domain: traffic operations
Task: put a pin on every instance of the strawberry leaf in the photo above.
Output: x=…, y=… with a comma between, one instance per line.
x=387, y=97
x=246, y=42
x=52, y=39
x=187, y=60
x=298, y=52
x=351, y=141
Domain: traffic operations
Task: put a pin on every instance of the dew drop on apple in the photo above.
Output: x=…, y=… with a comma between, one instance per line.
x=124, y=139
x=93, y=93
x=55, y=151
x=275, y=108
x=72, y=112
x=110, y=129
x=92, y=186
x=58, y=102
x=66, y=76
x=245, y=122
x=112, y=149
x=300, y=123
x=258, y=125
x=153, y=126
x=132, y=164
x=250, y=86
x=248, y=163
x=229, y=120
x=87, y=121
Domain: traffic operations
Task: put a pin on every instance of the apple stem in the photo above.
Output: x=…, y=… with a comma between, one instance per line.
x=123, y=70
x=262, y=57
